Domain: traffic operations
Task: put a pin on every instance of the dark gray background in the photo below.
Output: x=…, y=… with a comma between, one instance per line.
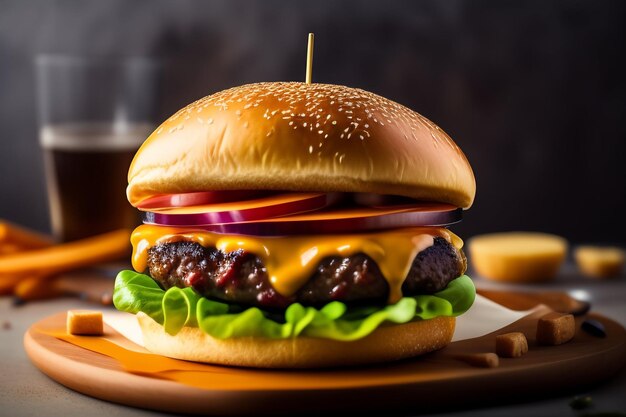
x=533, y=92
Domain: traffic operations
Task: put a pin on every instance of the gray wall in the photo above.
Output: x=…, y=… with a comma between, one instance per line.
x=534, y=92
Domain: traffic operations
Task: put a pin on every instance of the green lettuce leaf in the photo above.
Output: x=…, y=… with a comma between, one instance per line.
x=178, y=307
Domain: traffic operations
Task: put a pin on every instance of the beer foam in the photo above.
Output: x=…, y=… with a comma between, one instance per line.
x=94, y=137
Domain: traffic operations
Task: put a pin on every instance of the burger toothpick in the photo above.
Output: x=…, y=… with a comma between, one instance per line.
x=309, y=59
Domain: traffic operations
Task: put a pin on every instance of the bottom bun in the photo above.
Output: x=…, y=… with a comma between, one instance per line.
x=387, y=343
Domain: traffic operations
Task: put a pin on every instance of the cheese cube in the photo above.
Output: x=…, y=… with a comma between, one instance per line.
x=85, y=322
x=480, y=360
x=555, y=329
x=511, y=345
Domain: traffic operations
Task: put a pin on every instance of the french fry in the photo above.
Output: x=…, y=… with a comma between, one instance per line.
x=22, y=237
x=7, y=284
x=67, y=256
x=9, y=248
x=36, y=287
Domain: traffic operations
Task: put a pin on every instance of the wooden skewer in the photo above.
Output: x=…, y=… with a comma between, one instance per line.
x=309, y=59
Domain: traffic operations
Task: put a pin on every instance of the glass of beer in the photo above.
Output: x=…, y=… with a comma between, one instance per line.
x=94, y=114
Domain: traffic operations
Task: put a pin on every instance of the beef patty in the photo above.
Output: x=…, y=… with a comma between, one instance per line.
x=240, y=277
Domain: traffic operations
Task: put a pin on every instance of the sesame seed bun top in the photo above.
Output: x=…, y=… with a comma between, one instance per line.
x=294, y=136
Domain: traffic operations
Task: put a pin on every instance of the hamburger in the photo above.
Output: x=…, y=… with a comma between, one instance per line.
x=294, y=225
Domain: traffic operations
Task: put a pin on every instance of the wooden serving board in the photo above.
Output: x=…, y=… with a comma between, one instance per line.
x=437, y=381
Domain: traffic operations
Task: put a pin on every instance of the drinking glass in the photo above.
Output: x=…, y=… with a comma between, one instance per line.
x=94, y=113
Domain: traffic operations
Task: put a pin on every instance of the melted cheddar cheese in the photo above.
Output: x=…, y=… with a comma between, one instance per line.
x=291, y=260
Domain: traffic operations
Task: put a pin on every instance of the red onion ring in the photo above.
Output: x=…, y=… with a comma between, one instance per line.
x=351, y=220
x=245, y=211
